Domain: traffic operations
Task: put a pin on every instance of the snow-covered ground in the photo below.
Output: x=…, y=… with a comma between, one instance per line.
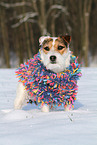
x=30, y=126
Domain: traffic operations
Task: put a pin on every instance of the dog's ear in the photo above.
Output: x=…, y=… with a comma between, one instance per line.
x=66, y=38
x=42, y=38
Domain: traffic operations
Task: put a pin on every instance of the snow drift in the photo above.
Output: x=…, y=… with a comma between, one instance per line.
x=30, y=126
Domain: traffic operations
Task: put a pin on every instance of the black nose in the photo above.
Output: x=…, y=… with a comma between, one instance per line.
x=52, y=58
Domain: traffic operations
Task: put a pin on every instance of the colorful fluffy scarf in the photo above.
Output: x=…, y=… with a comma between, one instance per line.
x=45, y=86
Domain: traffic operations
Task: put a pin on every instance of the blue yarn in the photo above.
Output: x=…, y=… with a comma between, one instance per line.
x=45, y=86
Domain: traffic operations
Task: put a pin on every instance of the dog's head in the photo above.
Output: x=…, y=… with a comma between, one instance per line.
x=55, y=52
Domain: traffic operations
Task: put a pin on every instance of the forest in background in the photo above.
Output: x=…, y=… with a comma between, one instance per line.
x=22, y=22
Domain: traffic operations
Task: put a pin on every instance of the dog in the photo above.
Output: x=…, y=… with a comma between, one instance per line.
x=55, y=56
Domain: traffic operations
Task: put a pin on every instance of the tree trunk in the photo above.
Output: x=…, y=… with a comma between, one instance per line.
x=53, y=24
x=86, y=44
x=42, y=18
x=27, y=36
x=21, y=50
x=85, y=8
x=17, y=46
x=34, y=50
x=5, y=38
x=28, y=41
x=53, y=27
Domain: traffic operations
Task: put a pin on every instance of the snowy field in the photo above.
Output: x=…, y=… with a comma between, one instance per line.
x=30, y=126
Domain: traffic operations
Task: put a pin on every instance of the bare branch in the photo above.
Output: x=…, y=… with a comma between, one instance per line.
x=23, y=18
x=58, y=7
x=57, y=15
x=27, y=15
x=18, y=4
x=17, y=24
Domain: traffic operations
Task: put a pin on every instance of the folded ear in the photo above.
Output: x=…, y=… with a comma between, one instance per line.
x=66, y=38
x=42, y=38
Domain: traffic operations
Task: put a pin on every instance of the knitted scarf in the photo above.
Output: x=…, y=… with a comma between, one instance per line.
x=45, y=86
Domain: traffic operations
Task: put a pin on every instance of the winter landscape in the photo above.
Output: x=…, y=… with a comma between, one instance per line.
x=22, y=23
x=30, y=126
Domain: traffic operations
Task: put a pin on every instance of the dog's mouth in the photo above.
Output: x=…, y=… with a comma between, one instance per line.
x=53, y=62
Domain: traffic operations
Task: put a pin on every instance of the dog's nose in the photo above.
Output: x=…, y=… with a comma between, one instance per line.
x=52, y=58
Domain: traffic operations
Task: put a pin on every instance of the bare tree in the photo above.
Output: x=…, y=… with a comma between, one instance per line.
x=38, y=15
x=5, y=39
x=23, y=21
x=27, y=36
x=85, y=9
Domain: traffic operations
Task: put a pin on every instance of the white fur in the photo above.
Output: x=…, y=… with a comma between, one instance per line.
x=62, y=61
x=45, y=108
x=41, y=39
x=21, y=95
x=68, y=108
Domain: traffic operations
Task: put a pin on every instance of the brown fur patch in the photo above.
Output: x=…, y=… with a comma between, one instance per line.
x=58, y=42
x=47, y=43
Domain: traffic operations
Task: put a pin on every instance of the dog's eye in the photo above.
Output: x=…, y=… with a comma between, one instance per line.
x=46, y=48
x=60, y=47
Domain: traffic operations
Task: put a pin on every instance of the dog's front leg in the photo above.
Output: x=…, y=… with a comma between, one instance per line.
x=21, y=95
x=68, y=108
x=45, y=108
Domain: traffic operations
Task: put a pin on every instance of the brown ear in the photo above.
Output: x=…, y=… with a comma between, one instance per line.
x=66, y=38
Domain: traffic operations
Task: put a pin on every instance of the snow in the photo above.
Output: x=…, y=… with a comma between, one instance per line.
x=30, y=126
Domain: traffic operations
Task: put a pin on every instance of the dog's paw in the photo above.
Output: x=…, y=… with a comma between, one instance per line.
x=45, y=108
x=17, y=107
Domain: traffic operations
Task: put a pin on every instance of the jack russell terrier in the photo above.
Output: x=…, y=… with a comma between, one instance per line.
x=50, y=77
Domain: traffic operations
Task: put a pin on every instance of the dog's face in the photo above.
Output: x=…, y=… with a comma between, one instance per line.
x=55, y=52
